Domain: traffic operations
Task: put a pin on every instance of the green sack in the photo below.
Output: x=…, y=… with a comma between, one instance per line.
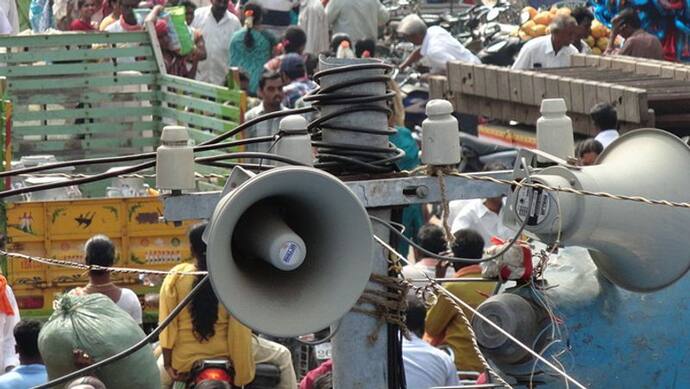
x=96, y=325
x=179, y=22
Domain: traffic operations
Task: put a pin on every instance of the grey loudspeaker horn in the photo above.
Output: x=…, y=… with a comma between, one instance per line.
x=289, y=251
x=637, y=246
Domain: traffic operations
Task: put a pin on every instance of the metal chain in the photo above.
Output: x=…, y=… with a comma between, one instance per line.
x=639, y=199
x=417, y=170
x=82, y=266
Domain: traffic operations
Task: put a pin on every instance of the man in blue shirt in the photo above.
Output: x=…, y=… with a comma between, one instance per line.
x=31, y=371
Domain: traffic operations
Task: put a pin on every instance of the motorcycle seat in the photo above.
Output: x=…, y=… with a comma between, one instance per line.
x=267, y=376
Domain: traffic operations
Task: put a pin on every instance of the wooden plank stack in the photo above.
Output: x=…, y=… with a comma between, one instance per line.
x=646, y=93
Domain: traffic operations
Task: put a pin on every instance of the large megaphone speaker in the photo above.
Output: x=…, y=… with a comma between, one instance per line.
x=289, y=251
x=637, y=246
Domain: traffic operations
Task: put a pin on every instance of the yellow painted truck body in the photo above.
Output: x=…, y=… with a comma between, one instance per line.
x=59, y=229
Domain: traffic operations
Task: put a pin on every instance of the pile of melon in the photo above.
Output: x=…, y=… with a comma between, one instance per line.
x=598, y=38
x=538, y=24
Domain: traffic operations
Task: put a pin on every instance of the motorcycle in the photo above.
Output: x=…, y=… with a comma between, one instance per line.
x=267, y=376
x=477, y=153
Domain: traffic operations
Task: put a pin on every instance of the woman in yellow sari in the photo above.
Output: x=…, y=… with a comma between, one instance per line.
x=203, y=330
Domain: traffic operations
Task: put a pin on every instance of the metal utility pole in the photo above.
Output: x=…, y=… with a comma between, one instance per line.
x=357, y=362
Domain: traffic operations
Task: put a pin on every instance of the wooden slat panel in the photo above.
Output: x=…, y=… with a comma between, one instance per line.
x=503, y=84
x=552, y=83
x=463, y=80
x=635, y=104
x=87, y=128
x=625, y=65
x=647, y=68
x=592, y=60
x=590, y=94
x=603, y=92
x=577, y=97
x=617, y=100
x=78, y=95
x=199, y=88
x=491, y=80
x=209, y=107
x=85, y=113
x=67, y=39
x=539, y=85
x=479, y=72
x=564, y=92
x=75, y=54
x=515, y=86
x=577, y=60
x=79, y=82
x=83, y=69
x=527, y=87
x=605, y=63
x=197, y=120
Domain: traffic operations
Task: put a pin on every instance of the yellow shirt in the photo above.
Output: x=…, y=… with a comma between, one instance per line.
x=231, y=339
x=445, y=326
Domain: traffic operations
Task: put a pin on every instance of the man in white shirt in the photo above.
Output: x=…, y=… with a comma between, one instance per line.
x=276, y=15
x=360, y=19
x=271, y=93
x=425, y=365
x=436, y=45
x=431, y=238
x=9, y=7
x=217, y=25
x=485, y=217
x=5, y=26
x=550, y=51
x=314, y=22
x=605, y=119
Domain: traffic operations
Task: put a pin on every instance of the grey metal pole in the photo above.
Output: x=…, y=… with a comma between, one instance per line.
x=358, y=363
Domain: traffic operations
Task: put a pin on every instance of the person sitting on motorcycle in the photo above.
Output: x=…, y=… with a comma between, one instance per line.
x=435, y=44
x=204, y=329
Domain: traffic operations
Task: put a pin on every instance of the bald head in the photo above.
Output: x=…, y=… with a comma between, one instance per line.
x=412, y=28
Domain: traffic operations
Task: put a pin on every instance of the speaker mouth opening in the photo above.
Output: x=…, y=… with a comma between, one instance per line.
x=284, y=208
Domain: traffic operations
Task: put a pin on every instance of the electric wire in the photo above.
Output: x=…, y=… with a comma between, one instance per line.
x=142, y=166
x=132, y=349
x=126, y=158
x=252, y=122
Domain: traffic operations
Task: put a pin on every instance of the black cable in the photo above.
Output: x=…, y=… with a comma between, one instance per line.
x=76, y=181
x=127, y=158
x=142, y=166
x=79, y=162
x=339, y=157
x=132, y=349
x=231, y=165
x=250, y=123
x=248, y=154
